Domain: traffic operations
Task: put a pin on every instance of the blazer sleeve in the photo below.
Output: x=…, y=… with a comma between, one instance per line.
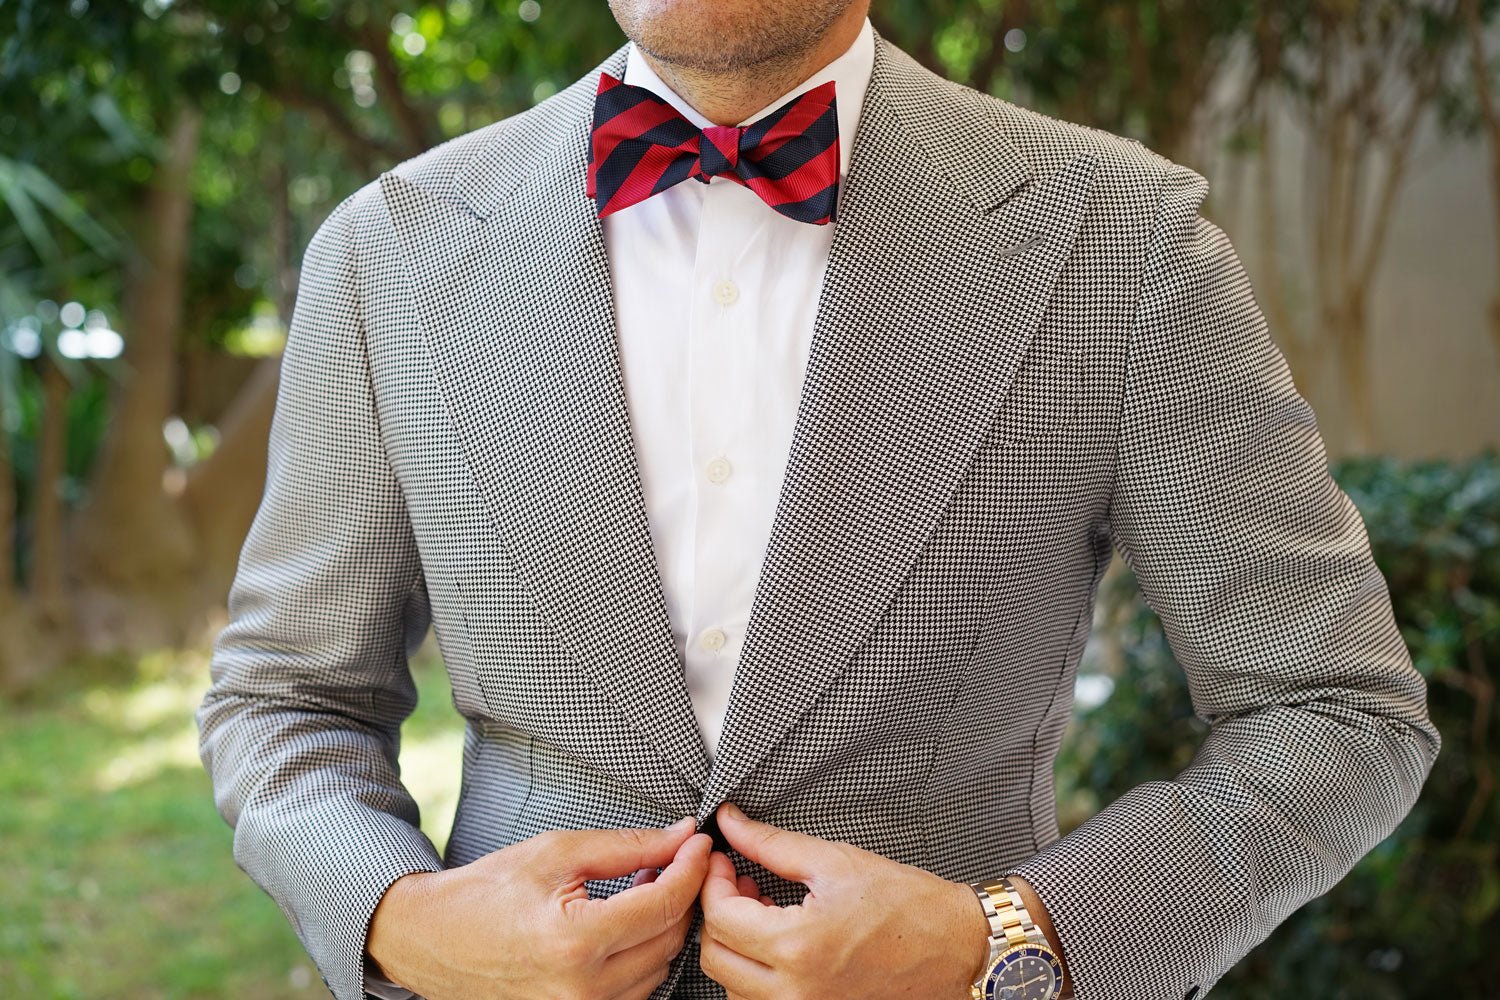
x=1260, y=569
x=300, y=727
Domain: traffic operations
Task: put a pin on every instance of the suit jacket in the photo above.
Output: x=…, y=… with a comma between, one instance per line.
x=1030, y=349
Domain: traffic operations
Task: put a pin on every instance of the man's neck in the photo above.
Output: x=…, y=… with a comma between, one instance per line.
x=729, y=98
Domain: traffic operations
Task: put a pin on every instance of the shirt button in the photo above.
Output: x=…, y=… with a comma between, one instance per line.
x=726, y=293
x=713, y=640
x=718, y=470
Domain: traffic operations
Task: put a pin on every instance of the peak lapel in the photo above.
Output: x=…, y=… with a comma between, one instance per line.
x=944, y=258
x=513, y=288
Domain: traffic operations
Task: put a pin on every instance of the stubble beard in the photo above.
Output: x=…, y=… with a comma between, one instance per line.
x=707, y=41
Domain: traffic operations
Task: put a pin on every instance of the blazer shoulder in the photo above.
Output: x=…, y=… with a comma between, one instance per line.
x=1127, y=168
x=1051, y=142
x=435, y=170
x=440, y=169
x=469, y=167
x=1135, y=181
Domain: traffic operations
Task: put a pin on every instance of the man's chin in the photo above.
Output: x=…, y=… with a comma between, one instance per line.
x=715, y=36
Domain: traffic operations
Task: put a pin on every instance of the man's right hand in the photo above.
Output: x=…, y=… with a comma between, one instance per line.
x=518, y=924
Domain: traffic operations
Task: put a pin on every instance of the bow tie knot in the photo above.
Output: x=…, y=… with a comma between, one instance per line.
x=719, y=150
x=641, y=145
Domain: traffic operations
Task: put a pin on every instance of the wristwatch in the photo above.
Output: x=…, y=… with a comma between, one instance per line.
x=1021, y=966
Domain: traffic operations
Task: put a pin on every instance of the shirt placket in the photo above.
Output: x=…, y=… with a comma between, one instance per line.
x=721, y=398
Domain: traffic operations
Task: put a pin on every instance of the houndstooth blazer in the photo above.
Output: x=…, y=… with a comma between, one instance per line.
x=1030, y=349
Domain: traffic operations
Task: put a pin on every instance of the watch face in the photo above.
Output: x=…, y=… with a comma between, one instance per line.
x=1025, y=972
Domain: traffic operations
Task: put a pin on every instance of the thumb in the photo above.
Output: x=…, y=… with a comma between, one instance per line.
x=794, y=856
x=599, y=854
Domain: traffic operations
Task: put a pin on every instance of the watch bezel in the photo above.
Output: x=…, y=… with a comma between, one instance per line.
x=986, y=983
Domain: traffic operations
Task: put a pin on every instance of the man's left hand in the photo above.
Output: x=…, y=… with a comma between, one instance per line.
x=868, y=926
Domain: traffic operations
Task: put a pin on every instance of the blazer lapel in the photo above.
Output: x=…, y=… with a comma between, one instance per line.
x=945, y=255
x=514, y=291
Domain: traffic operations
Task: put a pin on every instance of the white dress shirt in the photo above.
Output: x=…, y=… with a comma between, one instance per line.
x=715, y=294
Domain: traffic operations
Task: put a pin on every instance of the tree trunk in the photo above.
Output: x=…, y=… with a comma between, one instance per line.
x=130, y=540
x=1352, y=337
x=46, y=585
x=9, y=583
x=1489, y=118
x=1302, y=356
x=224, y=490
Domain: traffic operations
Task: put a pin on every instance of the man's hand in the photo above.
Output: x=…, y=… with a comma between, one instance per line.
x=868, y=927
x=518, y=924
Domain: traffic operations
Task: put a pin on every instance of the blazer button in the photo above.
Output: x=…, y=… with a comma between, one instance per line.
x=710, y=826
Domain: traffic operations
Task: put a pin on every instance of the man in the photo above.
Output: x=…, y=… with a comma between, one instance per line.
x=753, y=420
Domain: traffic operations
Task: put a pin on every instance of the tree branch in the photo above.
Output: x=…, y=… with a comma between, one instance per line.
x=414, y=124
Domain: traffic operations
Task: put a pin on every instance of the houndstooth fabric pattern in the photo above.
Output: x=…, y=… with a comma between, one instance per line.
x=1030, y=349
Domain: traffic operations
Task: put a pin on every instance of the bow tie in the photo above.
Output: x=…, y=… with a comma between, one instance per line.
x=641, y=145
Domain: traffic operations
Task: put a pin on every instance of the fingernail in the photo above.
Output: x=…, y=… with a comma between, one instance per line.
x=733, y=810
x=687, y=822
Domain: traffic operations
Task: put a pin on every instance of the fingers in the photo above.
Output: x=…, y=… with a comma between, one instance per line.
x=645, y=964
x=749, y=887
x=719, y=882
x=739, y=975
x=792, y=855
x=642, y=876
x=737, y=919
x=642, y=912
x=600, y=854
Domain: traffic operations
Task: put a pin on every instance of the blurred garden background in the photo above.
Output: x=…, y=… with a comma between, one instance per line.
x=164, y=162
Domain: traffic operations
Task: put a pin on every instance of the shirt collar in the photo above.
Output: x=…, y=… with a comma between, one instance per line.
x=850, y=73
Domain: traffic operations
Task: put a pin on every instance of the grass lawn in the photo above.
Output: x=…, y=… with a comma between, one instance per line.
x=119, y=878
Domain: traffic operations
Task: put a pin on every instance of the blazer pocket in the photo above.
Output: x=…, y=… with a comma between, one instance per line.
x=1043, y=398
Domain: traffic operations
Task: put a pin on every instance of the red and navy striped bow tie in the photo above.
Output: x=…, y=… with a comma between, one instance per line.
x=641, y=145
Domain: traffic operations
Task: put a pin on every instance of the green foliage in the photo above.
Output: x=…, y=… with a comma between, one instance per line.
x=1137, y=67
x=121, y=880
x=1423, y=907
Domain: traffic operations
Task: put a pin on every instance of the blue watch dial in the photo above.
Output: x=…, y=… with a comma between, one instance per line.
x=1026, y=972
